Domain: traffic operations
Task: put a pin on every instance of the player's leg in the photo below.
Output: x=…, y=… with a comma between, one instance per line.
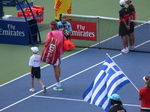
x=125, y=44
x=42, y=84
x=131, y=36
x=57, y=72
x=32, y=84
x=38, y=76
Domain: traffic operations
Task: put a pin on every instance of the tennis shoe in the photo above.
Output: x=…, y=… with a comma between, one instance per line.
x=32, y=90
x=56, y=84
x=131, y=48
x=58, y=88
x=125, y=50
x=44, y=89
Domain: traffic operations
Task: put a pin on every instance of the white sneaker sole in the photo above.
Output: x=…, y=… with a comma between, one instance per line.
x=124, y=52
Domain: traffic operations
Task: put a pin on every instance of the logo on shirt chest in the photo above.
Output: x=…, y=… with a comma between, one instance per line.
x=36, y=61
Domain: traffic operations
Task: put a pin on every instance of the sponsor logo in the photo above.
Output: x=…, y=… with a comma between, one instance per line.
x=50, y=51
x=57, y=8
x=11, y=31
x=70, y=8
x=83, y=30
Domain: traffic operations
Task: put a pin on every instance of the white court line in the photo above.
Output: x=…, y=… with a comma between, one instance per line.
x=61, y=81
x=59, y=98
x=54, y=84
x=142, y=43
x=75, y=54
x=70, y=99
x=41, y=68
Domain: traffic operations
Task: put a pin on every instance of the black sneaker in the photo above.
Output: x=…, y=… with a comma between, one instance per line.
x=44, y=89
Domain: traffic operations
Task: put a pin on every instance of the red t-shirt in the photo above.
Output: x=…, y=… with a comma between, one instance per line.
x=145, y=95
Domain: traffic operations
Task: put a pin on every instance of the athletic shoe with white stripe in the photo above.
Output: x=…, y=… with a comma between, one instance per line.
x=125, y=50
x=58, y=88
x=131, y=48
x=32, y=90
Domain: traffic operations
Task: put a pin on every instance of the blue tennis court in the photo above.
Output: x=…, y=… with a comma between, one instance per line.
x=78, y=72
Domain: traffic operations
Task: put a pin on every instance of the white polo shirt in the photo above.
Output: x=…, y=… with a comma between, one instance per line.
x=35, y=60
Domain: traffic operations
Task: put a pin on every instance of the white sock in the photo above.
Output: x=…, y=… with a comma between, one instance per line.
x=58, y=84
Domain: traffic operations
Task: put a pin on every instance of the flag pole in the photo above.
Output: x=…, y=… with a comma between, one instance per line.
x=123, y=73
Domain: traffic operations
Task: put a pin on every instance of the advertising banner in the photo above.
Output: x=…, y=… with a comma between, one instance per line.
x=62, y=6
x=12, y=32
x=11, y=2
x=83, y=30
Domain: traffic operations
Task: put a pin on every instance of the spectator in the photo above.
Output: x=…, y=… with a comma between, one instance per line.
x=116, y=104
x=144, y=95
x=65, y=27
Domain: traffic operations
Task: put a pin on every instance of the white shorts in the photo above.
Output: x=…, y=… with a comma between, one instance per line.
x=58, y=61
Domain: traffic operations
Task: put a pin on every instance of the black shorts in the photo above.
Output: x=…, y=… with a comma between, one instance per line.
x=36, y=72
x=122, y=30
x=131, y=28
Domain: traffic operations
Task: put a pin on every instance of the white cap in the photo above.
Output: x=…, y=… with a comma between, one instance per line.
x=144, y=79
x=122, y=2
x=35, y=49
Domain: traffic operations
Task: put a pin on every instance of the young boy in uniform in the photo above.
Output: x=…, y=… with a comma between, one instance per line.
x=35, y=63
x=124, y=26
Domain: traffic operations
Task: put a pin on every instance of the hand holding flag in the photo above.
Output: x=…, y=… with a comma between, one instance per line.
x=107, y=82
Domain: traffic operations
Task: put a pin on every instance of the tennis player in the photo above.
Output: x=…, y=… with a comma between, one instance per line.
x=59, y=36
x=124, y=25
x=35, y=63
x=132, y=13
x=65, y=26
x=144, y=95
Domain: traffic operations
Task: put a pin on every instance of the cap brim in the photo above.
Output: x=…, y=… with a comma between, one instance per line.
x=32, y=48
x=144, y=79
x=110, y=97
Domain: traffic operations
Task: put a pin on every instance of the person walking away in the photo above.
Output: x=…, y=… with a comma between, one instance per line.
x=132, y=13
x=59, y=36
x=116, y=104
x=144, y=95
x=124, y=26
x=35, y=72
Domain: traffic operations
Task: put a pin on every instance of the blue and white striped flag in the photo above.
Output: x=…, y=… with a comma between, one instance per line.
x=107, y=82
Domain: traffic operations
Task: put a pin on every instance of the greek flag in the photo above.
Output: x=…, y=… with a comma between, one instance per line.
x=107, y=82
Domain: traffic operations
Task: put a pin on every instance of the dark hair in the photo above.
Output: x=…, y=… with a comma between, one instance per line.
x=54, y=27
x=122, y=5
x=115, y=102
x=147, y=78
